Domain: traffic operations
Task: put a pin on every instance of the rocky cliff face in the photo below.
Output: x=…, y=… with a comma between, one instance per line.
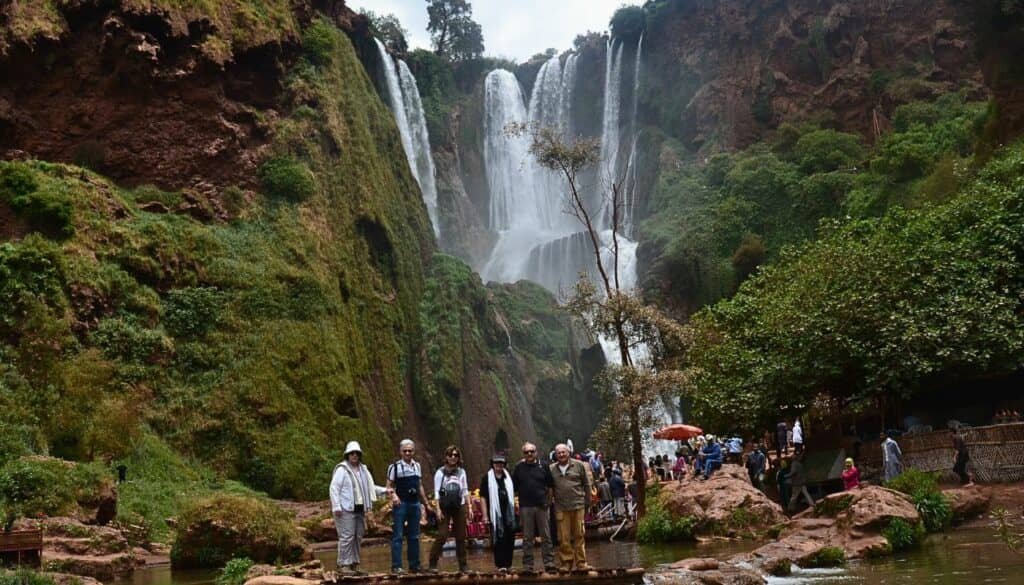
x=722, y=73
x=247, y=270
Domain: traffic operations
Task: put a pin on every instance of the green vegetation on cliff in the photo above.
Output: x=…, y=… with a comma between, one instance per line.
x=258, y=346
x=710, y=226
x=875, y=306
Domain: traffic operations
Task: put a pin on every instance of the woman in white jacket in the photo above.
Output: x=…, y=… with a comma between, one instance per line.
x=352, y=494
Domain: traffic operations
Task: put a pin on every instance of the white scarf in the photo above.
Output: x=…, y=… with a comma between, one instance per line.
x=360, y=484
x=498, y=528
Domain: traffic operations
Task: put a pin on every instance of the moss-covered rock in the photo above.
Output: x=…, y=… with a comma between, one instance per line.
x=214, y=530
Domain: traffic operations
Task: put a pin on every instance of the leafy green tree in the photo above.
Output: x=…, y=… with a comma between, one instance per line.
x=453, y=31
x=389, y=29
x=628, y=22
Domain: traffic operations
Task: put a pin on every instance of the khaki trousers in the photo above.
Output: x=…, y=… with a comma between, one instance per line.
x=571, y=550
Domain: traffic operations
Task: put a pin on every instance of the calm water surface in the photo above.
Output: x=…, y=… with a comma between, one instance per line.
x=969, y=556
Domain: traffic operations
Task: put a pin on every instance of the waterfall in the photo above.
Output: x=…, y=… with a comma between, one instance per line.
x=417, y=121
x=536, y=239
x=404, y=99
x=629, y=187
x=610, y=135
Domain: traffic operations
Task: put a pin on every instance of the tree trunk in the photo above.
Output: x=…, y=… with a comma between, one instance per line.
x=638, y=462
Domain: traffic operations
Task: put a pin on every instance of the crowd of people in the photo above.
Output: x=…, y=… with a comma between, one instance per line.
x=530, y=496
x=704, y=454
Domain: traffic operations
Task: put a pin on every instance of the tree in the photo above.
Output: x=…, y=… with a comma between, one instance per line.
x=613, y=312
x=389, y=29
x=453, y=31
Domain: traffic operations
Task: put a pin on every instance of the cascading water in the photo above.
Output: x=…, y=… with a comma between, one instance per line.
x=404, y=98
x=536, y=240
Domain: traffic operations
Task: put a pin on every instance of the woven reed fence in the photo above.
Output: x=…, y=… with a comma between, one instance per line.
x=997, y=452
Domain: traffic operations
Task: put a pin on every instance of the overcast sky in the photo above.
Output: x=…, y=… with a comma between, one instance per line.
x=516, y=29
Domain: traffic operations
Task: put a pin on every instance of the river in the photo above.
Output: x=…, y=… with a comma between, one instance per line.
x=967, y=556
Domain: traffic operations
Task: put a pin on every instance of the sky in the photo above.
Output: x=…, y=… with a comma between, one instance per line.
x=517, y=29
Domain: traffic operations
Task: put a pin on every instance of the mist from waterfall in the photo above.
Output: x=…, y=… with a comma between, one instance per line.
x=404, y=99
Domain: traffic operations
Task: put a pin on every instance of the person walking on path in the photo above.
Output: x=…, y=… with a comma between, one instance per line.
x=851, y=475
x=405, y=478
x=783, y=482
x=534, y=484
x=498, y=493
x=451, y=496
x=352, y=494
x=798, y=478
x=781, y=439
x=755, y=466
x=571, y=495
x=892, y=457
x=961, y=458
x=798, y=437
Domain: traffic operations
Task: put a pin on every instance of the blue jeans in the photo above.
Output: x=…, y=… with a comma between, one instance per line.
x=710, y=466
x=406, y=512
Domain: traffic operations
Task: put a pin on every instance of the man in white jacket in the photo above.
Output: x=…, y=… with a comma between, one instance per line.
x=352, y=494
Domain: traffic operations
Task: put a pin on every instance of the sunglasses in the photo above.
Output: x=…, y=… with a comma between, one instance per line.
x=529, y=451
x=454, y=455
x=406, y=450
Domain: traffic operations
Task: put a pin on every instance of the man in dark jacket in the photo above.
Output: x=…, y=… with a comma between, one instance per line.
x=534, y=482
x=618, y=488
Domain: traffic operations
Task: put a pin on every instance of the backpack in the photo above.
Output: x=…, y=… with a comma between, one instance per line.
x=450, y=496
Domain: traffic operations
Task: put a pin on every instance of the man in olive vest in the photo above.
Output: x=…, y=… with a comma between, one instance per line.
x=571, y=495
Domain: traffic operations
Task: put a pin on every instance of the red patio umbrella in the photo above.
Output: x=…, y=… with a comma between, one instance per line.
x=677, y=432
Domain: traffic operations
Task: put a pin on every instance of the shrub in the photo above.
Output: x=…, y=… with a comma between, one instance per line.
x=903, y=535
x=830, y=556
x=24, y=577
x=234, y=573
x=47, y=208
x=216, y=529
x=934, y=509
x=827, y=150
x=914, y=481
x=126, y=339
x=657, y=525
x=320, y=42
x=285, y=178
x=30, y=487
x=191, y=312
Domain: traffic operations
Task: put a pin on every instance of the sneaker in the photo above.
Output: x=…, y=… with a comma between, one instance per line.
x=397, y=571
x=432, y=568
x=584, y=567
x=346, y=571
x=414, y=570
x=550, y=569
x=357, y=573
x=464, y=569
x=503, y=570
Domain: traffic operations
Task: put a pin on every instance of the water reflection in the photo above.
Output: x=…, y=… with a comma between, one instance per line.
x=965, y=557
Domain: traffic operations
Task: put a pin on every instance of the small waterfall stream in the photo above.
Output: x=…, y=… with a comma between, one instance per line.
x=404, y=99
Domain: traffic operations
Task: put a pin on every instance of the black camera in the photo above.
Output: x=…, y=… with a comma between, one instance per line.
x=359, y=509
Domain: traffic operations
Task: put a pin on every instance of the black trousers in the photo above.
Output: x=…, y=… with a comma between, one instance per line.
x=960, y=467
x=504, y=547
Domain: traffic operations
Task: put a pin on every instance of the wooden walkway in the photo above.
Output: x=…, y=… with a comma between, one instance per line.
x=602, y=576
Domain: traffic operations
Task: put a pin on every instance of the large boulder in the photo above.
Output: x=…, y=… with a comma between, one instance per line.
x=967, y=503
x=725, y=504
x=848, y=521
x=704, y=572
x=216, y=529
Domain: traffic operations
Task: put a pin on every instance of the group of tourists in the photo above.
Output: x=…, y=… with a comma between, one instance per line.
x=565, y=484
